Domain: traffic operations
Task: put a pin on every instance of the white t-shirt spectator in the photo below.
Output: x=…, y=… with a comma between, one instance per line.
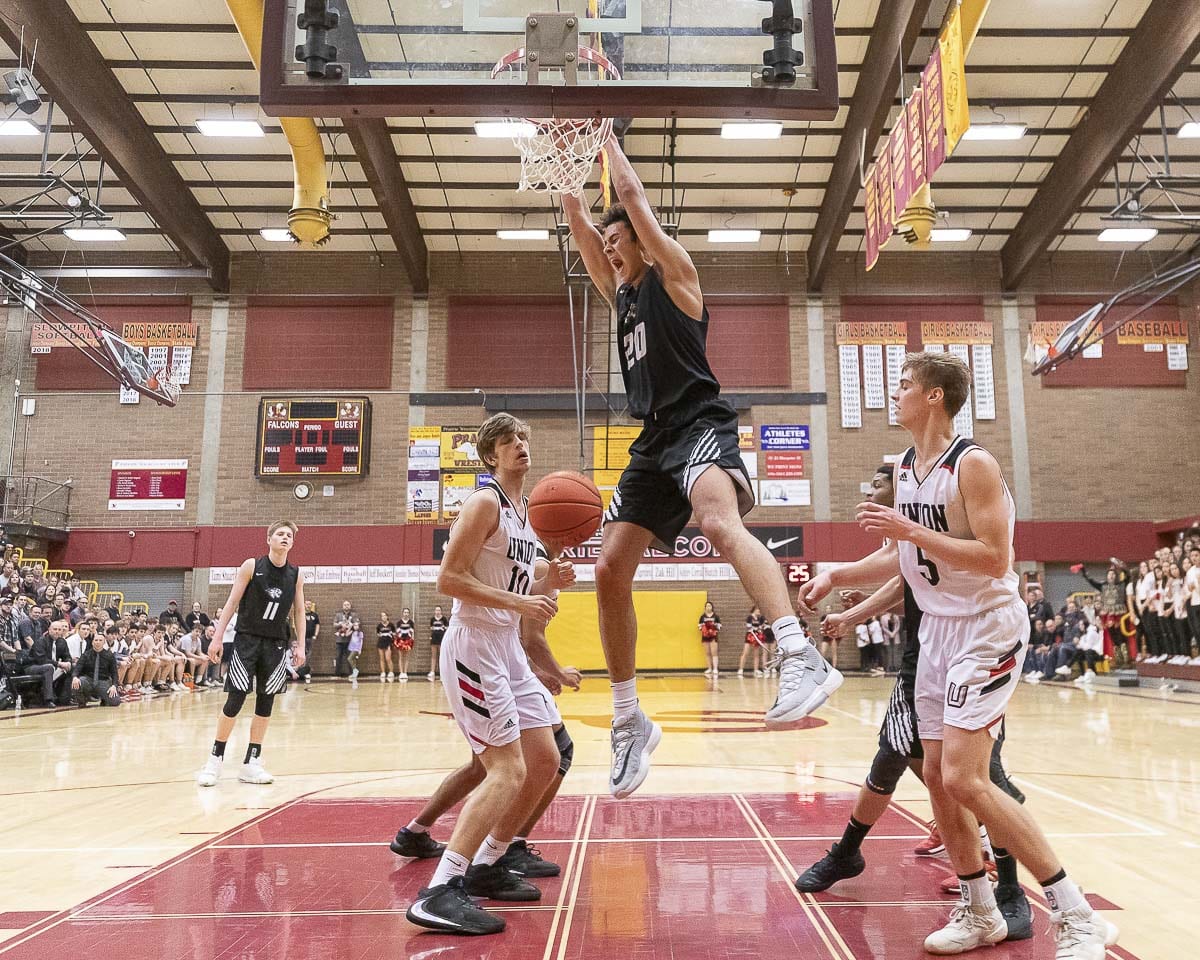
x=875, y=631
x=1145, y=587
x=1192, y=584
x=862, y=635
x=189, y=644
x=1092, y=639
x=75, y=644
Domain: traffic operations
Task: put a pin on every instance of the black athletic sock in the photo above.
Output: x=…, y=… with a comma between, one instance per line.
x=853, y=836
x=218, y=749
x=1057, y=878
x=252, y=752
x=1006, y=866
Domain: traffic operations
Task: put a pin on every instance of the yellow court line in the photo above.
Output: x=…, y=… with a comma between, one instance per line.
x=569, y=916
x=574, y=866
x=775, y=855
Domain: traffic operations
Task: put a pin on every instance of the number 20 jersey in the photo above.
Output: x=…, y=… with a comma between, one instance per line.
x=935, y=502
x=505, y=562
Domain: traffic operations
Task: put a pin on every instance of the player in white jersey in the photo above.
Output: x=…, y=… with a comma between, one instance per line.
x=952, y=541
x=501, y=707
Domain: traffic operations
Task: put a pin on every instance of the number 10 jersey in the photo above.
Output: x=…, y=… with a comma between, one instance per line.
x=935, y=502
x=505, y=562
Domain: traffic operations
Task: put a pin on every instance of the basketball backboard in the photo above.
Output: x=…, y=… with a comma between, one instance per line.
x=685, y=58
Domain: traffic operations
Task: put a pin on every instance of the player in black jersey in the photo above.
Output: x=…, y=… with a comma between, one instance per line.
x=900, y=749
x=687, y=428
x=265, y=591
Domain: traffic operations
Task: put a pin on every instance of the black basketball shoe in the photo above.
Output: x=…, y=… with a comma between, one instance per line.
x=447, y=907
x=494, y=882
x=1014, y=907
x=527, y=861
x=831, y=868
x=419, y=845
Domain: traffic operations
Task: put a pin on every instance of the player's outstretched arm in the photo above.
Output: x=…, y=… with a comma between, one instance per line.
x=880, y=602
x=678, y=272
x=591, y=246
x=876, y=567
x=478, y=520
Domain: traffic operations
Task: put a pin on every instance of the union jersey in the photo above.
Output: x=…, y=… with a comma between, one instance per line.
x=505, y=562
x=268, y=600
x=662, y=349
x=934, y=502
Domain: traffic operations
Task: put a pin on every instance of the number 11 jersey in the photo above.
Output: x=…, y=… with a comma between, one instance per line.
x=505, y=562
x=934, y=501
x=268, y=600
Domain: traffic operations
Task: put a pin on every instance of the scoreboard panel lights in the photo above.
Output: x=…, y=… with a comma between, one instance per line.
x=313, y=437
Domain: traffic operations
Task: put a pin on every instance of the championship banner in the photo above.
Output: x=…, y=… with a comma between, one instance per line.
x=901, y=176
x=1044, y=333
x=954, y=80
x=914, y=117
x=1153, y=331
x=43, y=336
x=882, y=332
x=933, y=107
x=159, y=334
x=871, y=219
x=459, y=451
x=956, y=331
x=887, y=200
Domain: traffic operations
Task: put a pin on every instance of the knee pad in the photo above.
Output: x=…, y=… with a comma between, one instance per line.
x=566, y=750
x=886, y=770
x=263, y=703
x=233, y=703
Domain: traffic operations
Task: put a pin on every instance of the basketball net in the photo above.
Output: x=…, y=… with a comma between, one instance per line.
x=557, y=154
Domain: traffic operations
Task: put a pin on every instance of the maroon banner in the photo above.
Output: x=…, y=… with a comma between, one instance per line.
x=785, y=466
x=914, y=116
x=934, y=108
x=898, y=148
x=147, y=485
x=871, y=217
x=887, y=202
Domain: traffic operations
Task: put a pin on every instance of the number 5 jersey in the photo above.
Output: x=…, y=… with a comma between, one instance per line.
x=934, y=501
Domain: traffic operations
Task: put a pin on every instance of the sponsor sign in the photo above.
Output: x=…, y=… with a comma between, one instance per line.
x=147, y=485
x=784, y=436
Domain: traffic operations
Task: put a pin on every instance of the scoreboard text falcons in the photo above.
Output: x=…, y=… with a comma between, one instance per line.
x=313, y=437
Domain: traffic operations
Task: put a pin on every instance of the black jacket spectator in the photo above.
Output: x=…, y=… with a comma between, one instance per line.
x=194, y=618
x=171, y=614
x=85, y=666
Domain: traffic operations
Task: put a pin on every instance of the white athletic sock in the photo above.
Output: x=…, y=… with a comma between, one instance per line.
x=519, y=839
x=451, y=865
x=489, y=851
x=625, y=699
x=977, y=892
x=788, y=635
x=417, y=827
x=1064, y=895
x=986, y=842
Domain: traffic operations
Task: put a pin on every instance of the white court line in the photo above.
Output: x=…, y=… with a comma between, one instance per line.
x=1146, y=829
x=126, y=918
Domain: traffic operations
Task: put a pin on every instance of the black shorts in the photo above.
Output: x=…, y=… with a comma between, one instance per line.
x=383, y=643
x=435, y=641
x=899, y=730
x=666, y=460
x=257, y=663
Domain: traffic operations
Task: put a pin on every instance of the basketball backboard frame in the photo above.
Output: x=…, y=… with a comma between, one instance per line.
x=286, y=91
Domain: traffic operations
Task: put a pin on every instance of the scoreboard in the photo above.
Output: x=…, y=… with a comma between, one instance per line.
x=313, y=437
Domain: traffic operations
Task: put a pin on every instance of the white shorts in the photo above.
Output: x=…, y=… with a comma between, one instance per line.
x=969, y=669
x=492, y=691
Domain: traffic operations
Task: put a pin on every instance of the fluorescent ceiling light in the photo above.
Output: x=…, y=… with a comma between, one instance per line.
x=18, y=128
x=1189, y=130
x=752, y=130
x=275, y=234
x=504, y=128
x=523, y=234
x=94, y=234
x=734, y=236
x=230, y=128
x=1127, y=234
x=995, y=131
x=957, y=235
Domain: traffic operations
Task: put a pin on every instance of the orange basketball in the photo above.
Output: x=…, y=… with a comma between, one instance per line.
x=566, y=507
